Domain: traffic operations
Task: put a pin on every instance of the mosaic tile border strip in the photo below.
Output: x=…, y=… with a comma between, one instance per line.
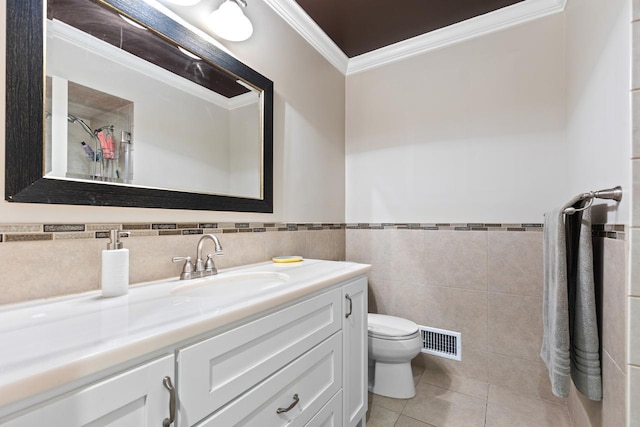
x=446, y=226
x=47, y=232
x=42, y=232
x=609, y=231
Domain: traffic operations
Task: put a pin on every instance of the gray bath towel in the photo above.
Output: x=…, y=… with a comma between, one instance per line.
x=570, y=346
x=583, y=322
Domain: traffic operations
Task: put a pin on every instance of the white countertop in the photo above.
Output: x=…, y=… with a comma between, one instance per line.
x=49, y=343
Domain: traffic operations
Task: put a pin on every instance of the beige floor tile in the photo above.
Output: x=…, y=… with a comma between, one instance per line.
x=405, y=421
x=504, y=405
x=499, y=417
x=445, y=408
x=417, y=372
x=377, y=416
x=469, y=386
x=395, y=405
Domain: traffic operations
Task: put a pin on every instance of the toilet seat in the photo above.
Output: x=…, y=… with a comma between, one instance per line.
x=386, y=327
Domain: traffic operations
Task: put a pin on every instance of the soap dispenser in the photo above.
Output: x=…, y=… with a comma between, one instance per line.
x=115, y=267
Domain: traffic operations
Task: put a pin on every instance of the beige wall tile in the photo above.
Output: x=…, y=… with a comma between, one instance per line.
x=634, y=262
x=325, y=244
x=467, y=312
x=521, y=376
x=635, y=107
x=373, y=247
x=635, y=176
x=43, y=269
x=635, y=64
x=613, y=393
x=425, y=305
x=455, y=259
x=515, y=263
x=634, y=396
x=614, y=300
x=583, y=411
x=634, y=327
x=515, y=325
x=400, y=254
x=281, y=243
x=381, y=293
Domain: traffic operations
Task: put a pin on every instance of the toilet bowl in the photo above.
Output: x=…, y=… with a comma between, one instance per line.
x=393, y=342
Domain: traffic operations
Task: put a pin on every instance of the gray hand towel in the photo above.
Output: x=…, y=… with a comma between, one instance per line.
x=555, y=308
x=583, y=326
x=570, y=346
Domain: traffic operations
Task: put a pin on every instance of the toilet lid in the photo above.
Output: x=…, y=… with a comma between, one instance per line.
x=390, y=326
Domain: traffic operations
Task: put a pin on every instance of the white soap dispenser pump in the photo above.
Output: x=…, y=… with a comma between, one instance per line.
x=115, y=267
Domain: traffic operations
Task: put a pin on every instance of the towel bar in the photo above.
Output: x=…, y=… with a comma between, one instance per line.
x=614, y=193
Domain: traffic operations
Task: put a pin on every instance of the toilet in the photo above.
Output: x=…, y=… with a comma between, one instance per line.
x=393, y=342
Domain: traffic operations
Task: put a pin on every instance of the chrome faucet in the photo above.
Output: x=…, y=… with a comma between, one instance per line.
x=202, y=268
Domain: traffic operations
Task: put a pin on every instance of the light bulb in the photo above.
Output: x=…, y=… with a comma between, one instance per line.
x=230, y=23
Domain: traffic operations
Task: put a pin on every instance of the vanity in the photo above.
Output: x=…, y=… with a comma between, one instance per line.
x=262, y=345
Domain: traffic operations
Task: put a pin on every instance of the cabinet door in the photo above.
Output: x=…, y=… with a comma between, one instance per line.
x=135, y=398
x=354, y=327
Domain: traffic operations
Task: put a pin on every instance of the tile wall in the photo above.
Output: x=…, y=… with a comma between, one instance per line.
x=633, y=292
x=486, y=281
x=48, y=260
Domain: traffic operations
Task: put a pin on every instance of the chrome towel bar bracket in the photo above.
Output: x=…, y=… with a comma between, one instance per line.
x=614, y=193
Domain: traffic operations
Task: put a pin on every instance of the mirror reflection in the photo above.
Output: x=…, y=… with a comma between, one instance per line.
x=125, y=106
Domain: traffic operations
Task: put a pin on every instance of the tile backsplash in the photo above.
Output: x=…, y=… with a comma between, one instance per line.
x=48, y=260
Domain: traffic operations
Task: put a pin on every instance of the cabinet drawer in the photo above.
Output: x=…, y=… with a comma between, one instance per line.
x=134, y=398
x=215, y=371
x=330, y=415
x=314, y=378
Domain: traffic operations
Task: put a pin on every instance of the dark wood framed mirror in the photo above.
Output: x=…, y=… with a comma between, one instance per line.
x=27, y=174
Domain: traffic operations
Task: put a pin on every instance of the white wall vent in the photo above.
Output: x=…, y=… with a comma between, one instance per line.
x=442, y=343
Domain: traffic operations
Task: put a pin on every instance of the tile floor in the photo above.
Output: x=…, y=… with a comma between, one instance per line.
x=449, y=401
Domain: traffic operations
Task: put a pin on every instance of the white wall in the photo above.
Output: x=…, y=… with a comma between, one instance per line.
x=308, y=136
x=474, y=132
x=598, y=37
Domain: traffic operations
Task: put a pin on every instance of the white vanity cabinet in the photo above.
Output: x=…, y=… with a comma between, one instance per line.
x=354, y=331
x=302, y=363
x=136, y=397
x=213, y=372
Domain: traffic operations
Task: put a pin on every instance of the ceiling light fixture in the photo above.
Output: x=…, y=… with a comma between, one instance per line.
x=230, y=23
x=132, y=22
x=189, y=54
x=184, y=2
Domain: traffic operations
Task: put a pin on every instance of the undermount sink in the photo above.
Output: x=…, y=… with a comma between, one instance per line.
x=231, y=284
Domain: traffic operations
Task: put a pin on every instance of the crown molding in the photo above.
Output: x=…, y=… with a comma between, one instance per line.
x=298, y=19
x=497, y=20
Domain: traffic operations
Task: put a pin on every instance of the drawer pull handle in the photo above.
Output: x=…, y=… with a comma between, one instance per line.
x=172, y=402
x=350, y=306
x=296, y=399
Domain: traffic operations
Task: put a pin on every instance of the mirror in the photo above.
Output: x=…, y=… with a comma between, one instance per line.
x=136, y=110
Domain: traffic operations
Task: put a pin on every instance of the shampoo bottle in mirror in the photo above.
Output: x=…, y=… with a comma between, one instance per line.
x=115, y=267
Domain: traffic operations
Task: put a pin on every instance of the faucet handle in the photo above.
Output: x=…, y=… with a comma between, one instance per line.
x=188, y=267
x=209, y=266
